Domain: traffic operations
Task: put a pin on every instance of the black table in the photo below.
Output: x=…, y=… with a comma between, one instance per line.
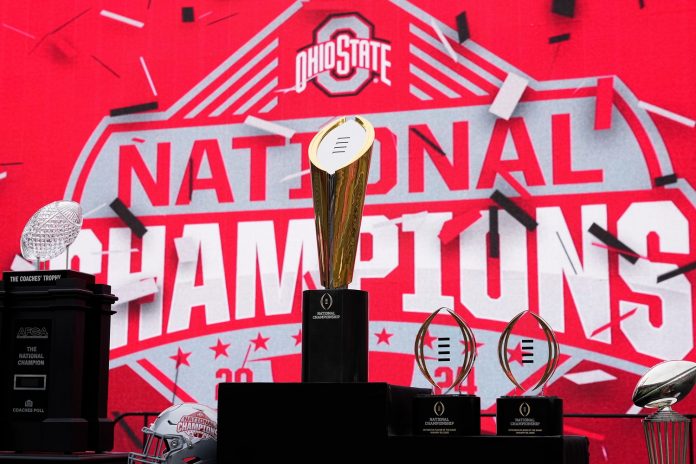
x=330, y=420
x=102, y=458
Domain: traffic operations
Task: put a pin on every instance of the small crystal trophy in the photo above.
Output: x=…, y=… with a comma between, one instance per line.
x=445, y=364
x=529, y=415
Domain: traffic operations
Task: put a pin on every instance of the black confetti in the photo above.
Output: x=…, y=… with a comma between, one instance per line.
x=514, y=210
x=493, y=236
x=108, y=68
x=566, y=253
x=221, y=19
x=665, y=180
x=559, y=38
x=462, y=27
x=190, y=178
x=65, y=24
x=434, y=145
x=676, y=272
x=134, y=109
x=564, y=7
x=128, y=217
x=187, y=14
x=609, y=240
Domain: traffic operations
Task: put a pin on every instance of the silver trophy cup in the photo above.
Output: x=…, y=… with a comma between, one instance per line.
x=666, y=432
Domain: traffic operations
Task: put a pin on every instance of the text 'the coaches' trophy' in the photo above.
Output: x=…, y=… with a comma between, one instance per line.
x=529, y=415
x=335, y=320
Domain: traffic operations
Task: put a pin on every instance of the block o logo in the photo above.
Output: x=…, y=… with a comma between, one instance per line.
x=344, y=58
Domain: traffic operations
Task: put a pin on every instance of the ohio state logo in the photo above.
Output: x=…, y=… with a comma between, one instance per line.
x=344, y=58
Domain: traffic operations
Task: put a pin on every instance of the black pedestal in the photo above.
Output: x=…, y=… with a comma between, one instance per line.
x=447, y=415
x=529, y=415
x=334, y=336
x=361, y=421
x=54, y=362
x=46, y=458
x=311, y=413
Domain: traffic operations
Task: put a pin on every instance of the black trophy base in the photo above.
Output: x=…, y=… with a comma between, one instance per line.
x=439, y=415
x=334, y=336
x=529, y=416
x=57, y=434
x=54, y=362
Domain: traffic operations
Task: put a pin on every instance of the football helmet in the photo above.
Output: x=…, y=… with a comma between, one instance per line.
x=181, y=434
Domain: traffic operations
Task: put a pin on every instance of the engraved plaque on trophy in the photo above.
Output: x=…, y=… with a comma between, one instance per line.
x=335, y=319
x=446, y=352
x=531, y=413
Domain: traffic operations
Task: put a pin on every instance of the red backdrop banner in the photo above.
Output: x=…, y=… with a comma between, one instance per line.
x=602, y=135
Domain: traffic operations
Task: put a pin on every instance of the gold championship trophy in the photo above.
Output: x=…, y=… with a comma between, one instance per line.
x=335, y=320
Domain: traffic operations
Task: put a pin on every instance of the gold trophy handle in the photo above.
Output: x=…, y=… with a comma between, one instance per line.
x=552, y=345
x=469, y=348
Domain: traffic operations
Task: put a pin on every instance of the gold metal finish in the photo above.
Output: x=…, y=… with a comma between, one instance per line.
x=338, y=204
x=469, y=348
x=552, y=344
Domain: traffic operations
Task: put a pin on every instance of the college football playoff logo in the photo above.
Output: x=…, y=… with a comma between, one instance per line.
x=439, y=408
x=326, y=301
x=525, y=409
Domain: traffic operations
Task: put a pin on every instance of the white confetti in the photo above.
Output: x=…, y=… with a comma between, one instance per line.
x=135, y=290
x=21, y=264
x=149, y=77
x=444, y=41
x=295, y=175
x=508, y=96
x=667, y=114
x=587, y=377
x=121, y=18
x=93, y=210
x=19, y=31
x=186, y=249
x=269, y=126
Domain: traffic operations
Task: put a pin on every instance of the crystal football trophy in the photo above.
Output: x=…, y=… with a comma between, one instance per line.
x=446, y=414
x=50, y=231
x=667, y=433
x=335, y=320
x=54, y=345
x=529, y=415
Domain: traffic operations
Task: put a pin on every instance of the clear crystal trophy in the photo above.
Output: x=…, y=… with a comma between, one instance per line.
x=50, y=231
